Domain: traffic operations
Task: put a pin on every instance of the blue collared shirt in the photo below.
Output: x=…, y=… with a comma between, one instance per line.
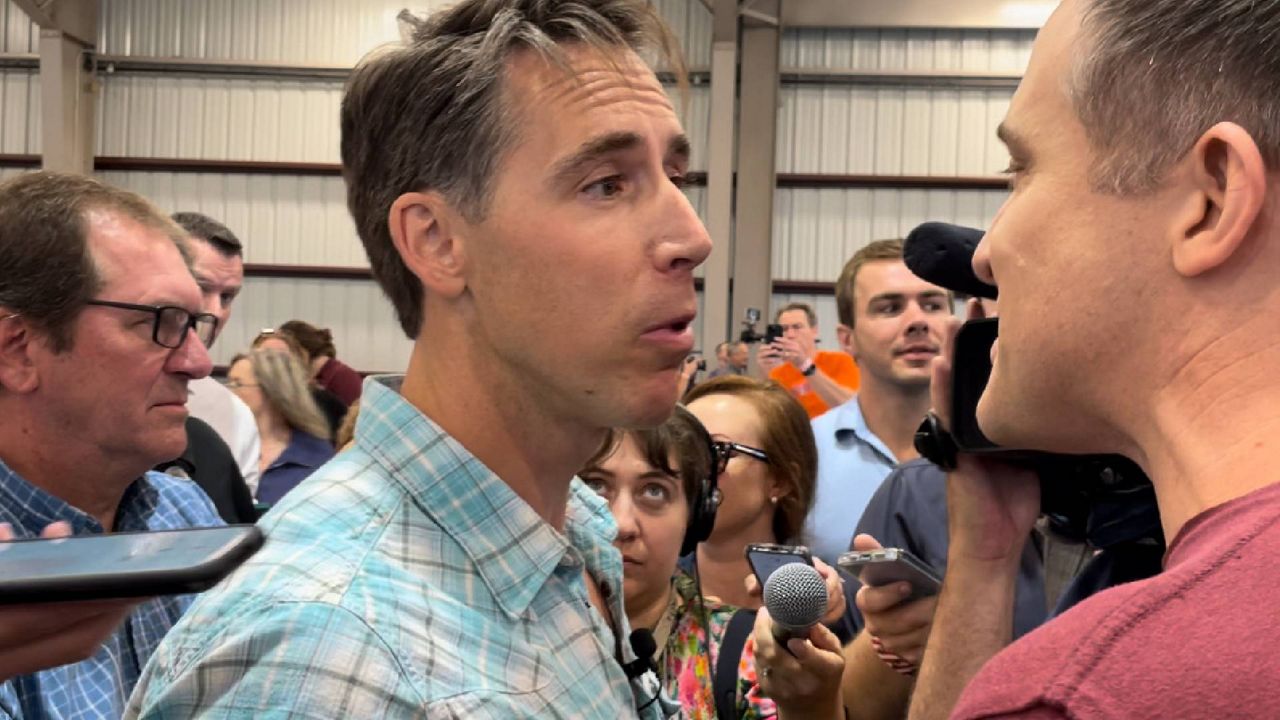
x=852, y=462
x=300, y=458
x=406, y=579
x=99, y=686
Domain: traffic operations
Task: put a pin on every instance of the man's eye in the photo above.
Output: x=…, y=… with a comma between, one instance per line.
x=605, y=188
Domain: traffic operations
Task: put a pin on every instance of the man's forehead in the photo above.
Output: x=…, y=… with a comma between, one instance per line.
x=592, y=78
x=878, y=277
x=1043, y=89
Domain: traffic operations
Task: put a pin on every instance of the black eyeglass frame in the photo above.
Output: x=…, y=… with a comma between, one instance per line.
x=192, y=322
x=726, y=449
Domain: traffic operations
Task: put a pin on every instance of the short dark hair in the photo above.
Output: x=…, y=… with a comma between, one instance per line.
x=681, y=436
x=433, y=114
x=1151, y=76
x=203, y=227
x=809, y=314
x=47, y=273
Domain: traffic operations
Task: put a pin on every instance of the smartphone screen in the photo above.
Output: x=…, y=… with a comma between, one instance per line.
x=765, y=558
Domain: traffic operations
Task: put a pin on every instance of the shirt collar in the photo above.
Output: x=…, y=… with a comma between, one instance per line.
x=305, y=450
x=514, y=550
x=850, y=423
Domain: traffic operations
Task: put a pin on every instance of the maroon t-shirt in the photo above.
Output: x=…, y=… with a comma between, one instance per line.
x=1199, y=640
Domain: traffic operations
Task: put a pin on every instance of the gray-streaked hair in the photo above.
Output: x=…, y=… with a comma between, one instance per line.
x=432, y=114
x=284, y=384
x=47, y=273
x=1151, y=76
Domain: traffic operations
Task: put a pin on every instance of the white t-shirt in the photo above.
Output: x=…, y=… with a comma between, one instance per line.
x=227, y=414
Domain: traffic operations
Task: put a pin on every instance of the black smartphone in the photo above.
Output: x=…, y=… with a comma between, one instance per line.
x=891, y=565
x=122, y=565
x=765, y=558
x=772, y=332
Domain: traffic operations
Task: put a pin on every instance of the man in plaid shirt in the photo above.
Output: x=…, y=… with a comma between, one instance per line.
x=100, y=331
x=514, y=170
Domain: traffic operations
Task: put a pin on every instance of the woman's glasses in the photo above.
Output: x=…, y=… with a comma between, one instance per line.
x=726, y=450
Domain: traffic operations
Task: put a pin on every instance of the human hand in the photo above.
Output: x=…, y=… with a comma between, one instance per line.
x=835, y=591
x=768, y=356
x=991, y=505
x=898, y=628
x=38, y=636
x=803, y=677
x=792, y=351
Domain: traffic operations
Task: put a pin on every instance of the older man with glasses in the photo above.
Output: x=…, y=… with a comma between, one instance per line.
x=100, y=331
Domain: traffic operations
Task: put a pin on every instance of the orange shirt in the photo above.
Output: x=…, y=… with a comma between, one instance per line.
x=836, y=365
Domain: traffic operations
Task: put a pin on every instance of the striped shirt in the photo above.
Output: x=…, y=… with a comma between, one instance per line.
x=99, y=686
x=405, y=579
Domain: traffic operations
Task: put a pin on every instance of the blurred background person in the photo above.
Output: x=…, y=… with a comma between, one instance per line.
x=326, y=370
x=652, y=480
x=331, y=406
x=294, y=432
x=819, y=379
x=767, y=482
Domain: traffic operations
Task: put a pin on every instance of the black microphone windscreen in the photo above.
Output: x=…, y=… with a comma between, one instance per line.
x=796, y=597
x=943, y=254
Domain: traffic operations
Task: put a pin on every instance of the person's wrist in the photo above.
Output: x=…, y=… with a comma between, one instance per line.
x=808, y=367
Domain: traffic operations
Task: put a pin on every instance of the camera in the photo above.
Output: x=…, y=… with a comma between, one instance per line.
x=750, y=335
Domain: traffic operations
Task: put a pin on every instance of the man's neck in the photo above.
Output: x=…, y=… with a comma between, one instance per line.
x=1216, y=436
x=498, y=421
x=66, y=467
x=893, y=413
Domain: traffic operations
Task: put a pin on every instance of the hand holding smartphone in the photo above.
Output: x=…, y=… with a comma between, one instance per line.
x=890, y=565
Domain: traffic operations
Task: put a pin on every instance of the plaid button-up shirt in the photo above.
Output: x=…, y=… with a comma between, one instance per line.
x=99, y=686
x=405, y=579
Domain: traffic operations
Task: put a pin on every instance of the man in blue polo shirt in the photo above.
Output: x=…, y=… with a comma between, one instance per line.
x=100, y=331
x=891, y=323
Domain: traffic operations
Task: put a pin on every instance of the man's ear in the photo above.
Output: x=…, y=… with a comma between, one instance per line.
x=426, y=233
x=844, y=335
x=17, y=362
x=1223, y=193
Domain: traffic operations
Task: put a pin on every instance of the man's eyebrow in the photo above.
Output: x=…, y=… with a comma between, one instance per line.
x=678, y=148
x=592, y=150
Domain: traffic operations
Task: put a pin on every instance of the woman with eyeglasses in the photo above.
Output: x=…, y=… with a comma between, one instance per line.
x=294, y=432
x=768, y=468
x=650, y=478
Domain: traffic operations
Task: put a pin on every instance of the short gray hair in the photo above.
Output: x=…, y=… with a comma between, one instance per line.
x=431, y=114
x=1153, y=75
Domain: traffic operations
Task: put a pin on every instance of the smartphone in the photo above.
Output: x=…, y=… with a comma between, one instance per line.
x=890, y=565
x=764, y=558
x=122, y=565
x=772, y=332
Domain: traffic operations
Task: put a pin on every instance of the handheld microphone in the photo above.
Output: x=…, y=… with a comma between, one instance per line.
x=796, y=597
x=943, y=255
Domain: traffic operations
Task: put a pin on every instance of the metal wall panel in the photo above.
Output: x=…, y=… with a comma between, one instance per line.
x=895, y=50
x=365, y=330
x=282, y=219
x=816, y=231
x=18, y=34
x=10, y=172
x=846, y=129
x=19, y=112
x=314, y=32
x=218, y=118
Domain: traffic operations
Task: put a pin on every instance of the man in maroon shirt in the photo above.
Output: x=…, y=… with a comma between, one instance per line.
x=1137, y=264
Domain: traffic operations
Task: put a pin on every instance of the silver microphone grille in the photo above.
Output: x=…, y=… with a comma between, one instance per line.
x=795, y=595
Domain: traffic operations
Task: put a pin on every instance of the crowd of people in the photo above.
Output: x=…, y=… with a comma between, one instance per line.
x=546, y=514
